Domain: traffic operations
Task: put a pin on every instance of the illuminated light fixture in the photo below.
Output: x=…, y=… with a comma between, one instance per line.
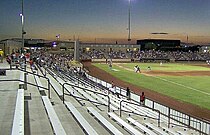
x=54, y=44
x=129, y=21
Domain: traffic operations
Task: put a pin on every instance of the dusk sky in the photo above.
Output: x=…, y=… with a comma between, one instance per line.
x=107, y=19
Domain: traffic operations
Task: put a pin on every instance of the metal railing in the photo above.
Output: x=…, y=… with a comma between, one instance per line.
x=198, y=124
x=27, y=72
x=158, y=119
x=18, y=80
x=63, y=89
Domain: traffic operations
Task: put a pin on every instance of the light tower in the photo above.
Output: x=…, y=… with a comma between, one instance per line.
x=22, y=24
x=129, y=21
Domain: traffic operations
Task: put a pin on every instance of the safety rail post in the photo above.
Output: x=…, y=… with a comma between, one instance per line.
x=200, y=127
x=120, y=108
x=78, y=80
x=189, y=122
x=49, y=93
x=48, y=80
x=169, y=112
x=63, y=91
x=158, y=118
x=108, y=103
x=45, y=72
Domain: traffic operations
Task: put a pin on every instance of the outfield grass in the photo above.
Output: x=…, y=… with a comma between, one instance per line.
x=191, y=89
x=167, y=66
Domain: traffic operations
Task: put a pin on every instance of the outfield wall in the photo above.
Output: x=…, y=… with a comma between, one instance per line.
x=171, y=115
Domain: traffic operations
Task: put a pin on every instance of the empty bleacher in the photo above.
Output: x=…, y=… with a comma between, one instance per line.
x=18, y=122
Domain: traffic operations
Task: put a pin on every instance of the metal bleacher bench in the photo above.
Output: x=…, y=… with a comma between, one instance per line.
x=84, y=124
x=99, y=98
x=21, y=84
x=131, y=129
x=18, y=121
x=86, y=95
x=39, y=83
x=140, y=126
x=106, y=123
x=156, y=129
x=181, y=132
x=56, y=88
x=169, y=130
x=55, y=122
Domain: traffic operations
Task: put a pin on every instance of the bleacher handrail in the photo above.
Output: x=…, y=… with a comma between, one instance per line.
x=63, y=88
x=18, y=80
x=48, y=80
x=202, y=120
x=120, y=110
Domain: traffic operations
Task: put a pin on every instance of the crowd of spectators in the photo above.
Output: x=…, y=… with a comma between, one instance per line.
x=175, y=55
x=150, y=54
x=52, y=60
x=101, y=54
x=117, y=55
x=57, y=60
x=95, y=54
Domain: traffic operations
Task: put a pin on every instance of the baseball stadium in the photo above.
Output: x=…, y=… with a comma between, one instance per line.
x=76, y=67
x=85, y=88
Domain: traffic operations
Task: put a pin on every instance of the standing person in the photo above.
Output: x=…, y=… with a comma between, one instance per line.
x=113, y=88
x=110, y=65
x=1, y=55
x=8, y=59
x=31, y=62
x=142, y=99
x=138, y=69
x=128, y=93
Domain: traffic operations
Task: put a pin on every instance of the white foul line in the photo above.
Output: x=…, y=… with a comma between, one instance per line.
x=182, y=85
x=170, y=81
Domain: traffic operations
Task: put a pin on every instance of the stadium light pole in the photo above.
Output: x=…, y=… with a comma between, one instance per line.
x=22, y=24
x=129, y=21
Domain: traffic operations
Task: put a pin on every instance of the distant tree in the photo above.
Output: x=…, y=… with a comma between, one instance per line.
x=150, y=46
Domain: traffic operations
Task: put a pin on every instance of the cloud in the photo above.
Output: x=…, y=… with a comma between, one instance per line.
x=159, y=33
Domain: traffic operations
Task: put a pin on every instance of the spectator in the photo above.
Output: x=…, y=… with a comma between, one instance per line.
x=113, y=89
x=8, y=59
x=110, y=65
x=128, y=93
x=142, y=99
x=1, y=55
x=31, y=62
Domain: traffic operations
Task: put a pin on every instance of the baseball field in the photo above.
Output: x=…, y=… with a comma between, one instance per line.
x=184, y=82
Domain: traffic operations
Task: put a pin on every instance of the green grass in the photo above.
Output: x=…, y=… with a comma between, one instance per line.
x=166, y=66
x=191, y=89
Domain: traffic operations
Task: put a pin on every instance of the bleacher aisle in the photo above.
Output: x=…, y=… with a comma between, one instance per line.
x=8, y=94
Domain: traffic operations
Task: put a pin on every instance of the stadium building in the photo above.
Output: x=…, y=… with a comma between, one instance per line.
x=159, y=44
